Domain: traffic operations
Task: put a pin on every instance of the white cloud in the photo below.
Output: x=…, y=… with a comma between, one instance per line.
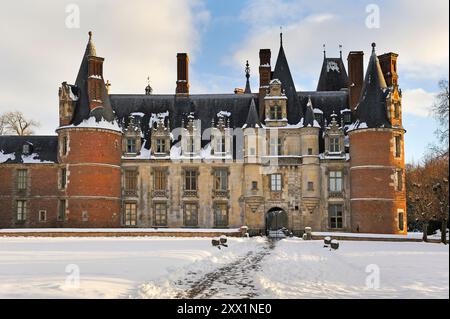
x=417, y=102
x=416, y=29
x=136, y=38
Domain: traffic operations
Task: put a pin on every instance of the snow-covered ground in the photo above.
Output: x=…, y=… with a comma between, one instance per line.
x=155, y=267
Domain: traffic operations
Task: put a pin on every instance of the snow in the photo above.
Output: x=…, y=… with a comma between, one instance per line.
x=159, y=267
x=34, y=159
x=345, y=111
x=317, y=111
x=223, y=114
x=5, y=157
x=119, y=230
x=333, y=66
x=92, y=123
x=72, y=96
x=366, y=235
x=99, y=77
x=357, y=125
x=138, y=114
x=305, y=269
x=155, y=117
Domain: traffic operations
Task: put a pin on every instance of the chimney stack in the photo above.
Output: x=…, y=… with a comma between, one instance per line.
x=388, y=63
x=182, y=74
x=356, y=77
x=265, y=75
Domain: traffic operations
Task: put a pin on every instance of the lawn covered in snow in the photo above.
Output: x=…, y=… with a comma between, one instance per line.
x=155, y=267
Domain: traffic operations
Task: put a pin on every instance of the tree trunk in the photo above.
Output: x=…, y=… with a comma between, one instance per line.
x=444, y=232
x=425, y=232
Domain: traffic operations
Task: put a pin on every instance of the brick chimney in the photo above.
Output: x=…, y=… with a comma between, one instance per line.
x=265, y=75
x=182, y=74
x=356, y=76
x=388, y=63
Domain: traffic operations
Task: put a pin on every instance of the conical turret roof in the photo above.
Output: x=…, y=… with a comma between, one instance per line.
x=252, y=116
x=371, y=108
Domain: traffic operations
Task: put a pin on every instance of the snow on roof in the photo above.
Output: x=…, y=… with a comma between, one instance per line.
x=155, y=117
x=34, y=159
x=5, y=157
x=318, y=111
x=92, y=123
x=333, y=66
x=275, y=81
x=223, y=114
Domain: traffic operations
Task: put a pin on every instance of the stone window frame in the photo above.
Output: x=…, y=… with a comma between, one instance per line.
x=132, y=213
x=128, y=183
x=254, y=185
x=185, y=206
x=131, y=148
x=278, y=145
x=195, y=174
x=22, y=179
x=62, y=178
x=401, y=219
x=276, y=112
x=64, y=150
x=62, y=210
x=226, y=173
x=399, y=180
x=335, y=215
x=335, y=141
x=42, y=212
x=398, y=146
x=155, y=213
x=310, y=186
x=278, y=185
x=21, y=210
x=330, y=178
x=160, y=147
x=85, y=216
x=216, y=205
x=159, y=180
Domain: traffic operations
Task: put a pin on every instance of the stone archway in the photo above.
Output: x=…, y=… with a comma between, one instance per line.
x=276, y=219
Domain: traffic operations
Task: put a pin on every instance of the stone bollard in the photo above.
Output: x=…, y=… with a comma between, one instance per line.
x=334, y=244
x=308, y=232
x=327, y=241
x=243, y=230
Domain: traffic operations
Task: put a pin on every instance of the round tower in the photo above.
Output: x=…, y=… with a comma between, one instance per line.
x=378, y=202
x=89, y=150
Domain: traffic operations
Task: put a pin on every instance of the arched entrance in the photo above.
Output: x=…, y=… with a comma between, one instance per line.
x=276, y=219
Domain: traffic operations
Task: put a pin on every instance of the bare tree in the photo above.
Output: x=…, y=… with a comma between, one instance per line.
x=16, y=123
x=2, y=125
x=440, y=110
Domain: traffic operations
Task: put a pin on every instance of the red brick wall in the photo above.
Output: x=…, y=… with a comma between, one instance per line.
x=41, y=194
x=374, y=199
x=94, y=177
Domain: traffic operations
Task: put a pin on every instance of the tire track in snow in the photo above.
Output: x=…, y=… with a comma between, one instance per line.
x=234, y=280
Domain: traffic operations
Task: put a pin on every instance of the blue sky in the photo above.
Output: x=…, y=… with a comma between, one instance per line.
x=140, y=38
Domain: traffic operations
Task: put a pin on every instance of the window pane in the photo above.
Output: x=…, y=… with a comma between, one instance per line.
x=221, y=215
x=160, y=215
x=190, y=215
x=130, y=214
x=22, y=175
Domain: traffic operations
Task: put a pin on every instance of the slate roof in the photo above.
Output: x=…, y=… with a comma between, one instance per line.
x=371, y=108
x=309, y=115
x=333, y=76
x=283, y=73
x=252, y=117
x=82, y=109
x=43, y=148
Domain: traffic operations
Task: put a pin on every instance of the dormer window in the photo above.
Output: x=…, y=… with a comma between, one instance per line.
x=131, y=145
x=26, y=149
x=220, y=144
x=334, y=145
x=190, y=145
x=275, y=112
x=160, y=146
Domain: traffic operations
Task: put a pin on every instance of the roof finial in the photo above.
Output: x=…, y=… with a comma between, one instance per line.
x=247, y=90
x=324, y=51
x=373, y=47
x=148, y=88
x=340, y=50
x=281, y=36
x=90, y=35
x=247, y=70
